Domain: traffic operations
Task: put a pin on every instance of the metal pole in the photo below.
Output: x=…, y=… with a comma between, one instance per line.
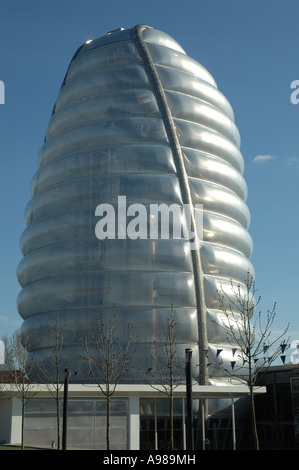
x=184, y=424
x=189, y=437
x=234, y=425
x=65, y=398
x=203, y=426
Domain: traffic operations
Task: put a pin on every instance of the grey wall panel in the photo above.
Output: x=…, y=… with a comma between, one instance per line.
x=94, y=134
x=165, y=56
x=93, y=190
x=182, y=82
x=140, y=158
x=77, y=323
x=98, y=58
x=125, y=104
x=89, y=84
x=61, y=259
x=193, y=109
x=211, y=168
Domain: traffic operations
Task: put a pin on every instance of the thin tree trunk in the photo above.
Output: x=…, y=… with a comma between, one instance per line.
x=58, y=422
x=108, y=422
x=253, y=419
x=171, y=423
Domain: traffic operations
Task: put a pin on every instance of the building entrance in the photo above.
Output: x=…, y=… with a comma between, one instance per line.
x=155, y=424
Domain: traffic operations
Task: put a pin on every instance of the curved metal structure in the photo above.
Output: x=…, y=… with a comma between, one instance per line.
x=135, y=117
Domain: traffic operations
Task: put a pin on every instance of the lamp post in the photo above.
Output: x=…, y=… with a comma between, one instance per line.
x=65, y=398
x=189, y=427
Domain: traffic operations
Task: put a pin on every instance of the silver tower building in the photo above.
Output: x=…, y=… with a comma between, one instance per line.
x=135, y=117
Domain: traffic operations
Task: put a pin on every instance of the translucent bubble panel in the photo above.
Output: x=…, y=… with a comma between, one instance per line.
x=135, y=117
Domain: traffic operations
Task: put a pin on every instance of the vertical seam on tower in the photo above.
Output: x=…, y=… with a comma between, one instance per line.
x=184, y=186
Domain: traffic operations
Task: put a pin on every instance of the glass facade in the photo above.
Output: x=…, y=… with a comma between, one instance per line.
x=135, y=117
x=155, y=424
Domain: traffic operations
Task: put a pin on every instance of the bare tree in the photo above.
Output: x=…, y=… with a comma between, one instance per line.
x=108, y=351
x=50, y=371
x=166, y=371
x=251, y=337
x=20, y=365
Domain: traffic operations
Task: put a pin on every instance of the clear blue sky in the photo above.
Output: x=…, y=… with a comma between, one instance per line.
x=250, y=47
